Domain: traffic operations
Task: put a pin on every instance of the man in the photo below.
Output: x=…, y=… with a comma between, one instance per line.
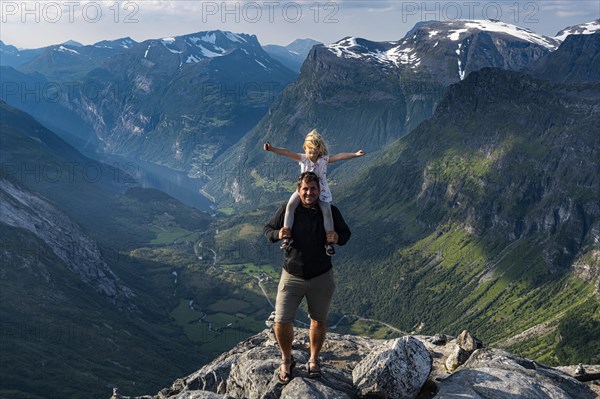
x=307, y=272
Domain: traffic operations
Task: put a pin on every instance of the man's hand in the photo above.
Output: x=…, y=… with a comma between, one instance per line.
x=332, y=237
x=285, y=232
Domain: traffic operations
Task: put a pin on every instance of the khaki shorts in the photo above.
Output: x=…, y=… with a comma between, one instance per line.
x=318, y=292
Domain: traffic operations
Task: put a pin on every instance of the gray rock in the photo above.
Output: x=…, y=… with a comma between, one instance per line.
x=456, y=357
x=497, y=374
x=199, y=395
x=439, y=339
x=466, y=341
x=397, y=370
x=304, y=388
x=460, y=350
x=356, y=366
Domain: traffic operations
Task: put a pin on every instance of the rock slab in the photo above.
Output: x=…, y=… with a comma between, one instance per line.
x=494, y=373
x=395, y=370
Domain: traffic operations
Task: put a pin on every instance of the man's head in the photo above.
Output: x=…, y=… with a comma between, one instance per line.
x=309, y=189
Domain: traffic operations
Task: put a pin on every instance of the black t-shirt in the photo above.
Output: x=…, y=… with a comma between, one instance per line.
x=306, y=256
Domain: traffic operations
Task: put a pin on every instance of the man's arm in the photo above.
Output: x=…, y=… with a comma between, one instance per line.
x=341, y=228
x=271, y=229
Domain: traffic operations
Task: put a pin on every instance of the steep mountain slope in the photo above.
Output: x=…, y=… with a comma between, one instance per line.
x=44, y=100
x=292, y=55
x=577, y=60
x=364, y=94
x=486, y=216
x=21, y=209
x=75, y=307
x=181, y=101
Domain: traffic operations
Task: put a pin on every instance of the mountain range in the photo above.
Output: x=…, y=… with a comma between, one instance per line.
x=364, y=95
x=177, y=101
x=476, y=205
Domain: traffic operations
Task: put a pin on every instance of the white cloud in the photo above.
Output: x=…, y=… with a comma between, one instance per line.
x=569, y=14
x=378, y=20
x=567, y=9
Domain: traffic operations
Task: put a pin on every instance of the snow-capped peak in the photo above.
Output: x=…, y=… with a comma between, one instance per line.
x=381, y=52
x=501, y=27
x=582, y=29
x=195, y=47
x=405, y=51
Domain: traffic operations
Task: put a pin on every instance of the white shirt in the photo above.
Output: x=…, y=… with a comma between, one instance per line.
x=320, y=169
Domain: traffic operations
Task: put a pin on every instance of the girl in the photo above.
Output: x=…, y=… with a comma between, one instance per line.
x=315, y=159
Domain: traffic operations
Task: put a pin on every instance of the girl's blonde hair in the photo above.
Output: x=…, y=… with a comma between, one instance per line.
x=313, y=139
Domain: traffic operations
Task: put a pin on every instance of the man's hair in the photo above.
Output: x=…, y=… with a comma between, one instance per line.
x=308, y=177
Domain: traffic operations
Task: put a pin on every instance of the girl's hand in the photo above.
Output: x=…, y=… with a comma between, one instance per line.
x=267, y=146
x=284, y=232
x=359, y=153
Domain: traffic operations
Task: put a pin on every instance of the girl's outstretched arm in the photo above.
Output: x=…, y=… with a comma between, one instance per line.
x=282, y=151
x=342, y=156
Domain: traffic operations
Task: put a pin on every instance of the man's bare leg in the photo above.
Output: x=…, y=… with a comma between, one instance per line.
x=318, y=330
x=284, y=333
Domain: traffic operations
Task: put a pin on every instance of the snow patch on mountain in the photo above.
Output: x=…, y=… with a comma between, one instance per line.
x=461, y=69
x=400, y=54
x=65, y=49
x=588, y=28
x=502, y=27
x=234, y=37
x=192, y=59
x=345, y=48
x=126, y=43
x=209, y=38
x=211, y=54
x=262, y=65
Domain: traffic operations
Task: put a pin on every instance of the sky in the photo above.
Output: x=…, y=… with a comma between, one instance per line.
x=34, y=24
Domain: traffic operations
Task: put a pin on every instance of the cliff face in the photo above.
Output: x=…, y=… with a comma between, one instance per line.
x=359, y=367
x=25, y=210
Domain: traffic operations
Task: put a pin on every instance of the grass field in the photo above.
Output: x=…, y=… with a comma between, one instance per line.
x=166, y=235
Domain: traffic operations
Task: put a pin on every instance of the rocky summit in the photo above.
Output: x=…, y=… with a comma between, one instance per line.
x=410, y=367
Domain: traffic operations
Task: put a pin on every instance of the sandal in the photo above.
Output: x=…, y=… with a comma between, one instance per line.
x=315, y=371
x=286, y=377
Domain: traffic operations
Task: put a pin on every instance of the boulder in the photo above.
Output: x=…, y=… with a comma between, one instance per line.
x=460, y=350
x=398, y=369
x=456, y=357
x=494, y=373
